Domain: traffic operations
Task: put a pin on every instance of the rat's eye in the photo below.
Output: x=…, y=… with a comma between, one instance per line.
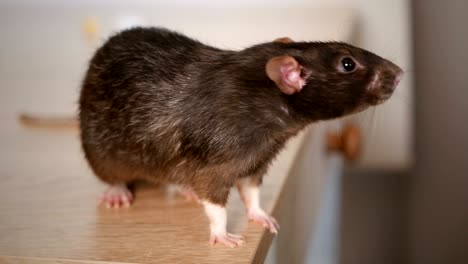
x=348, y=65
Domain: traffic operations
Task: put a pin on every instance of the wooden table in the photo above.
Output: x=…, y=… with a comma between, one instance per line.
x=49, y=212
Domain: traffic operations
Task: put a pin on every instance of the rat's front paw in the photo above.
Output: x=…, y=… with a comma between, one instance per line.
x=259, y=216
x=227, y=239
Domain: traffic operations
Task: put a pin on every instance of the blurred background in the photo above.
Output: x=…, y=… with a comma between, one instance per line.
x=404, y=201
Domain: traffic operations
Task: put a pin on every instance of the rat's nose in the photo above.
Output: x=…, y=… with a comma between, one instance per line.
x=383, y=85
x=398, y=77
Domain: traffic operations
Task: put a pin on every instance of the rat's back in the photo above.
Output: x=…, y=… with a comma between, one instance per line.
x=131, y=96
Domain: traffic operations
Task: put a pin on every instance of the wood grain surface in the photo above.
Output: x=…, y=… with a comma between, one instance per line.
x=49, y=212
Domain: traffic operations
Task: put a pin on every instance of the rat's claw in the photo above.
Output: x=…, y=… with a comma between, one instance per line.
x=260, y=217
x=227, y=239
x=235, y=236
x=125, y=200
x=116, y=196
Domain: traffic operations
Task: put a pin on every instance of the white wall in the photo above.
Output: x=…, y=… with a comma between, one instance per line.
x=384, y=29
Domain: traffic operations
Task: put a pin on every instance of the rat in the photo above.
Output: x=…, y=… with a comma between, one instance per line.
x=159, y=106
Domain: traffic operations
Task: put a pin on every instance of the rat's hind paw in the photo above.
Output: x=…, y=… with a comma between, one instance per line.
x=189, y=194
x=262, y=218
x=227, y=239
x=116, y=196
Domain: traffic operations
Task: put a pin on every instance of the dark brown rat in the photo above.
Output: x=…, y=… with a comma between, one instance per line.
x=159, y=106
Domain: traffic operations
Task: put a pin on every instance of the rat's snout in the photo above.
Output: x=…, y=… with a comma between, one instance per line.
x=395, y=74
x=398, y=78
x=383, y=83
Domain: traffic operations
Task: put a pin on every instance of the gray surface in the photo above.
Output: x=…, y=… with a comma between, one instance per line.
x=439, y=209
x=373, y=217
x=323, y=248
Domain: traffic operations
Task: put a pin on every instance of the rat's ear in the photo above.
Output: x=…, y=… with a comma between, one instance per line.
x=285, y=71
x=283, y=40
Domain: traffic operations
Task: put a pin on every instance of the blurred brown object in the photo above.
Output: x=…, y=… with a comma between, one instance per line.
x=33, y=121
x=349, y=142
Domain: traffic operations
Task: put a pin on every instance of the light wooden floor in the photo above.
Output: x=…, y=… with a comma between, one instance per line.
x=49, y=212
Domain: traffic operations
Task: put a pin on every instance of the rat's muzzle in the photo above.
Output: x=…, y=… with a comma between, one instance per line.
x=383, y=84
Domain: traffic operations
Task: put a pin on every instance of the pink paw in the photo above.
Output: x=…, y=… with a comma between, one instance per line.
x=227, y=239
x=262, y=218
x=116, y=196
x=189, y=194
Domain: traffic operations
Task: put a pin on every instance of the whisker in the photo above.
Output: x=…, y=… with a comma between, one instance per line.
x=403, y=97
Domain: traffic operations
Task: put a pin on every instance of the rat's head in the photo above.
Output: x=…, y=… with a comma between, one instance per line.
x=328, y=80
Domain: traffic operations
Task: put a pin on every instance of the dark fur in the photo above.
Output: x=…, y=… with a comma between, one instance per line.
x=159, y=106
